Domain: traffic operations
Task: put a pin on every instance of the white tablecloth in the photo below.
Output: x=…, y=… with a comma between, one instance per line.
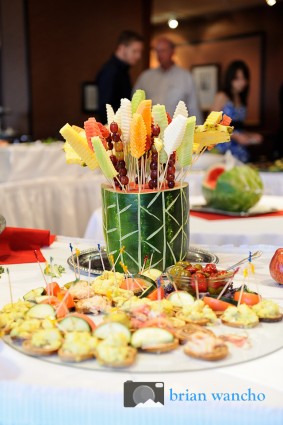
x=237, y=231
x=40, y=190
x=61, y=204
x=35, y=160
x=33, y=392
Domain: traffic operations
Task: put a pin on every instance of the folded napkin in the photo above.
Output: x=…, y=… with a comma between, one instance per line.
x=17, y=245
x=216, y=216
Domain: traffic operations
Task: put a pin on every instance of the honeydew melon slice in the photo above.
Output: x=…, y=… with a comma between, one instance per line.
x=103, y=159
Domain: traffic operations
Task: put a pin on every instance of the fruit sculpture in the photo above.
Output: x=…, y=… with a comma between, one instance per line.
x=237, y=189
x=145, y=200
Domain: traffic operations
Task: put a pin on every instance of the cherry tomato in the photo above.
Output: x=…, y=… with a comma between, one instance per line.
x=210, y=268
x=201, y=280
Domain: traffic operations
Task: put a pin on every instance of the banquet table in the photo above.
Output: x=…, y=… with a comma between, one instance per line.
x=36, y=184
x=28, y=161
x=263, y=229
x=34, y=392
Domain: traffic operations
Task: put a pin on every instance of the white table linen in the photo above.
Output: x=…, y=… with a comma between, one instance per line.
x=25, y=161
x=33, y=392
x=62, y=205
x=236, y=231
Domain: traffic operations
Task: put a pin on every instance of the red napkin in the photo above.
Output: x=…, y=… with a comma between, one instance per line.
x=214, y=216
x=17, y=245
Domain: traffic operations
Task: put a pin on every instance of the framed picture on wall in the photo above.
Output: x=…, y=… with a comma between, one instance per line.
x=89, y=97
x=206, y=78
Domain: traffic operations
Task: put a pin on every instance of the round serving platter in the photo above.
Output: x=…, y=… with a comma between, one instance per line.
x=264, y=339
x=195, y=255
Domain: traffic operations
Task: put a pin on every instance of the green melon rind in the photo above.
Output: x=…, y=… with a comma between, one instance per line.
x=144, y=223
x=236, y=190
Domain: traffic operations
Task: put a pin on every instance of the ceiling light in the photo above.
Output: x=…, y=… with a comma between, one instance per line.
x=173, y=23
x=271, y=2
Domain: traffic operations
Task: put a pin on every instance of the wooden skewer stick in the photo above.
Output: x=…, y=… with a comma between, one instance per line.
x=100, y=254
x=38, y=262
x=78, y=262
x=228, y=283
x=88, y=275
x=10, y=287
x=73, y=261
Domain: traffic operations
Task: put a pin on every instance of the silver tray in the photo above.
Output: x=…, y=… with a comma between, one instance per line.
x=195, y=255
x=2, y=223
x=252, y=212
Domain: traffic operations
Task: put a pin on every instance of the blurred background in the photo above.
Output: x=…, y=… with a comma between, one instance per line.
x=49, y=49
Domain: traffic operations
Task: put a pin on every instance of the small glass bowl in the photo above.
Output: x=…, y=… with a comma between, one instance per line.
x=188, y=284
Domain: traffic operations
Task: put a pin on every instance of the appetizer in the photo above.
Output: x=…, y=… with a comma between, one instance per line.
x=198, y=313
x=114, y=351
x=43, y=342
x=77, y=347
x=154, y=340
x=187, y=330
x=204, y=346
x=240, y=317
x=95, y=305
x=268, y=311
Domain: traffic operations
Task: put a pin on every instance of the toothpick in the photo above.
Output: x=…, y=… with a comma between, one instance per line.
x=144, y=263
x=111, y=259
x=242, y=287
x=73, y=260
x=38, y=262
x=88, y=275
x=100, y=254
x=51, y=272
x=150, y=261
x=122, y=249
x=228, y=283
x=197, y=289
x=10, y=286
x=78, y=262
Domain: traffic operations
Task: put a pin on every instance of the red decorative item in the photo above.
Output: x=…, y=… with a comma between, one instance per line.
x=276, y=266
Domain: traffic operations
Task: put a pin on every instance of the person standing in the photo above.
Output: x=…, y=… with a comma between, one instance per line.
x=233, y=100
x=113, y=80
x=169, y=83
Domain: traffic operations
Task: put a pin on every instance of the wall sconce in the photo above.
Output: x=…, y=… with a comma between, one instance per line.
x=271, y=2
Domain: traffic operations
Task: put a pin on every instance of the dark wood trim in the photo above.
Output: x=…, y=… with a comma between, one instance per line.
x=28, y=65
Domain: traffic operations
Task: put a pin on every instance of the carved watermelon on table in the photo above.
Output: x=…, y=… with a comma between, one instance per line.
x=150, y=222
x=235, y=190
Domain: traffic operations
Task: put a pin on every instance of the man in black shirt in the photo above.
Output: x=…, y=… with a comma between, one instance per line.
x=113, y=80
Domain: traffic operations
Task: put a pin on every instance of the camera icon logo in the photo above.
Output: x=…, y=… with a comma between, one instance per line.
x=143, y=394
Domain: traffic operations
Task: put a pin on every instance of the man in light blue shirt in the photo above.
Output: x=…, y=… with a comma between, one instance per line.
x=169, y=83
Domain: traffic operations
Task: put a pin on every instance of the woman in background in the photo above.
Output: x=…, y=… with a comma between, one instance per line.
x=232, y=100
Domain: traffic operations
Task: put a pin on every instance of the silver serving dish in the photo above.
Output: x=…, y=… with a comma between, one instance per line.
x=195, y=255
x=2, y=223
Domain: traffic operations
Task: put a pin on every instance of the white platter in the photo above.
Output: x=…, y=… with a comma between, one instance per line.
x=264, y=339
